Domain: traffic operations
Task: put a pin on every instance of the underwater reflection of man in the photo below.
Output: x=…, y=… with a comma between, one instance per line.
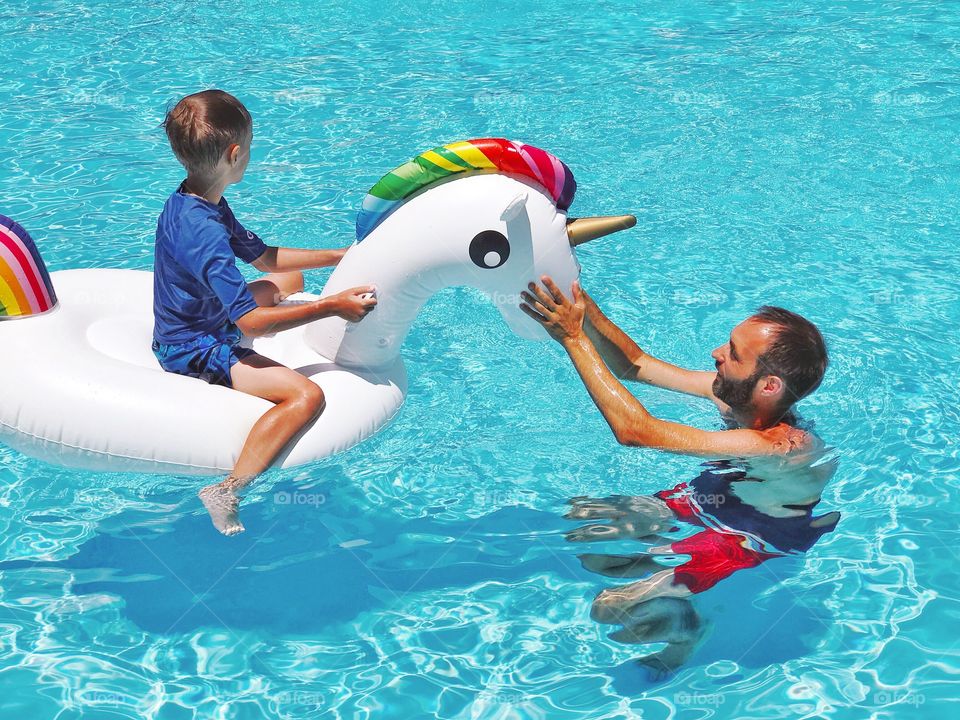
x=771, y=360
x=731, y=517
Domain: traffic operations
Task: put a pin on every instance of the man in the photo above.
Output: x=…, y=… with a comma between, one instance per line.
x=746, y=512
x=772, y=359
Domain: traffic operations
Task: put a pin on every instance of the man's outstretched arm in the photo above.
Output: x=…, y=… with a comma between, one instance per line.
x=629, y=420
x=628, y=361
x=632, y=424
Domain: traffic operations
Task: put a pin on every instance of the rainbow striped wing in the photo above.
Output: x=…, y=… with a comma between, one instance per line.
x=494, y=155
x=25, y=287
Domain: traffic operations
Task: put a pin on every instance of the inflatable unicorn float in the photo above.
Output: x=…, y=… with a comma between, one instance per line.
x=80, y=385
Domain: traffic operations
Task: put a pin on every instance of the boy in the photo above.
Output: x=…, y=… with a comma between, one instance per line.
x=202, y=304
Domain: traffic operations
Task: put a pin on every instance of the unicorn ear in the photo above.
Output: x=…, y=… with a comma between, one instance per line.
x=514, y=207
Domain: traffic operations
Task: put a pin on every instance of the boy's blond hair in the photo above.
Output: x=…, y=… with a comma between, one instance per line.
x=202, y=126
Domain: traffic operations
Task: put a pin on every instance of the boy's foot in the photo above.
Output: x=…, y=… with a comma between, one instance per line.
x=223, y=505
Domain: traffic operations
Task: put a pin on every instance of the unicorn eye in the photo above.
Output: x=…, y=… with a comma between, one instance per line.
x=489, y=249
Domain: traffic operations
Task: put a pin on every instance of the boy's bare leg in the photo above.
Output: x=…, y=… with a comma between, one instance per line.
x=271, y=289
x=298, y=401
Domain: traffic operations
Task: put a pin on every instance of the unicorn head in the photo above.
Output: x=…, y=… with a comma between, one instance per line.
x=487, y=213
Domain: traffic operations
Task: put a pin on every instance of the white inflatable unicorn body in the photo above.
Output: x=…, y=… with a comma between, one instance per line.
x=80, y=386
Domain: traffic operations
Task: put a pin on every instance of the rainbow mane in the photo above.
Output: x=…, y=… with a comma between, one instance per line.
x=25, y=287
x=492, y=155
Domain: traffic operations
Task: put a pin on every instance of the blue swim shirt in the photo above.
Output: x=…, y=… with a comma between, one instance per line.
x=196, y=284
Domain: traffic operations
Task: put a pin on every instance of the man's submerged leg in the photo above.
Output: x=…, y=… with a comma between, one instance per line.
x=637, y=517
x=298, y=402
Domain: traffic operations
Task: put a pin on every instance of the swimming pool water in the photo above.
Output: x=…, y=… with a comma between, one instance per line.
x=785, y=153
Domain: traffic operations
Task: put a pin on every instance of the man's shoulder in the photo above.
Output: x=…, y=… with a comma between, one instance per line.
x=788, y=438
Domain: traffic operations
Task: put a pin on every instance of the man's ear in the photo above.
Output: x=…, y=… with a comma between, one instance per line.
x=773, y=386
x=233, y=152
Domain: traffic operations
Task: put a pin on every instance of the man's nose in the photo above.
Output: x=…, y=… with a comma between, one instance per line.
x=716, y=354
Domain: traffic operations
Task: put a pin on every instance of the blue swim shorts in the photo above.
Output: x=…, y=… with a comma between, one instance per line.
x=208, y=357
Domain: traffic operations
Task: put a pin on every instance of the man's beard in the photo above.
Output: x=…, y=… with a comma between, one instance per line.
x=738, y=394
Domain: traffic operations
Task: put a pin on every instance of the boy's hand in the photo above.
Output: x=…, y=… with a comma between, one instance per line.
x=354, y=304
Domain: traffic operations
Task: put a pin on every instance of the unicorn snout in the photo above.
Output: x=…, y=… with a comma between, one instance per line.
x=581, y=230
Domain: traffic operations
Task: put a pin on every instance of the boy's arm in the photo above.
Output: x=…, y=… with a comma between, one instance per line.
x=628, y=361
x=279, y=259
x=249, y=247
x=352, y=305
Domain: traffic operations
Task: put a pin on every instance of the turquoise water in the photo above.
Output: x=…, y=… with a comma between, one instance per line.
x=783, y=153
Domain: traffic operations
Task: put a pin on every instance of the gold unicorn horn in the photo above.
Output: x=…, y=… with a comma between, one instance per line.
x=581, y=230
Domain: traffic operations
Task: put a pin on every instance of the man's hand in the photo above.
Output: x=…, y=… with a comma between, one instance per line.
x=353, y=304
x=560, y=317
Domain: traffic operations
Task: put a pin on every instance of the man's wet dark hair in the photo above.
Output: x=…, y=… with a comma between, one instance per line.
x=797, y=352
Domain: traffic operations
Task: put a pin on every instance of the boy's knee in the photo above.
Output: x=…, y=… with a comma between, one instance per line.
x=296, y=282
x=312, y=399
x=287, y=283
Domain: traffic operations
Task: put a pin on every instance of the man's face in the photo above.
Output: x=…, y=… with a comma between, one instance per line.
x=736, y=361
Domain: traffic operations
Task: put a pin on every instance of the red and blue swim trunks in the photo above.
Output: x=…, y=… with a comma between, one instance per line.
x=734, y=536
